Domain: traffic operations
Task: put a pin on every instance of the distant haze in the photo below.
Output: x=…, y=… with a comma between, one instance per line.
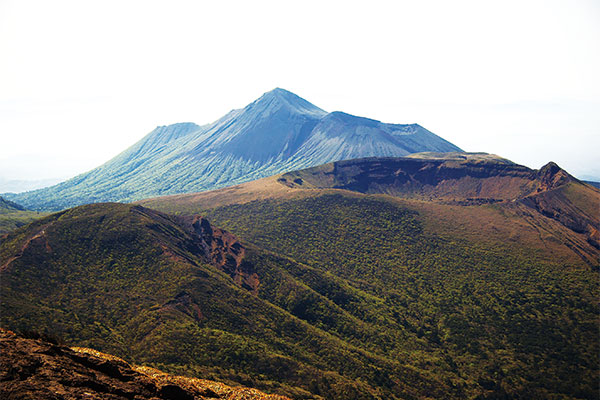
x=82, y=81
x=24, y=185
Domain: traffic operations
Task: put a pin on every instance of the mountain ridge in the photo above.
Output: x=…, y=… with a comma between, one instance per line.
x=278, y=132
x=470, y=179
x=13, y=215
x=7, y=205
x=355, y=291
x=142, y=284
x=453, y=179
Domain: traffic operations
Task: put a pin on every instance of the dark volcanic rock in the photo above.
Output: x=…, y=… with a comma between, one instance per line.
x=445, y=177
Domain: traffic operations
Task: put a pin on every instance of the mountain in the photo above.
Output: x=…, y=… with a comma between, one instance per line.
x=39, y=368
x=552, y=200
x=8, y=206
x=432, y=276
x=278, y=132
x=470, y=179
x=22, y=185
x=593, y=183
x=179, y=294
x=13, y=215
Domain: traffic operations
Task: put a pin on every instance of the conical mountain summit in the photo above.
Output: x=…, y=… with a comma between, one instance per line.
x=276, y=133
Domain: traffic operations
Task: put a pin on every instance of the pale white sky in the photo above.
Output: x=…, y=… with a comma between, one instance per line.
x=82, y=80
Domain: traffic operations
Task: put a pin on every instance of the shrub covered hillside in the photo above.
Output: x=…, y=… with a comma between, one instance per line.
x=13, y=215
x=184, y=296
x=490, y=318
x=479, y=272
x=337, y=293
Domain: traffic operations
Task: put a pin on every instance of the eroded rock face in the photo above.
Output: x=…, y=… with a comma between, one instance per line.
x=41, y=370
x=455, y=178
x=470, y=179
x=552, y=176
x=216, y=246
x=224, y=251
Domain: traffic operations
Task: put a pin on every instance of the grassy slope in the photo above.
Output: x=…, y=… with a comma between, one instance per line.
x=361, y=296
x=13, y=216
x=490, y=296
x=11, y=220
x=108, y=276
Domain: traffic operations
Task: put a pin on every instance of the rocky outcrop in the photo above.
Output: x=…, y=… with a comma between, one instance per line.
x=223, y=250
x=552, y=176
x=43, y=370
x=216, y=246
x=563, y=198
x=455, y=177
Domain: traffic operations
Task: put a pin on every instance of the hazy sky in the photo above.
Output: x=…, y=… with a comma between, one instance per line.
x=82, y=80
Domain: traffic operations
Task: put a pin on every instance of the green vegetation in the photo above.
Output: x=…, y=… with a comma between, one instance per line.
x=9, y=221
x=494, y=319
x=7, y=205
x=13, y=216
x=109, y=277
x=358, y=298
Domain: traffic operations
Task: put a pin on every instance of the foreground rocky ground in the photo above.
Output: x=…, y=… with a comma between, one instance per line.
x=40, y=369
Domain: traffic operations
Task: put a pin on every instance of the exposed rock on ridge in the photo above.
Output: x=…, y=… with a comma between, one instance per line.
x=469, y=179
x=39, y=369
x=224, y=251
x=452, y=177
